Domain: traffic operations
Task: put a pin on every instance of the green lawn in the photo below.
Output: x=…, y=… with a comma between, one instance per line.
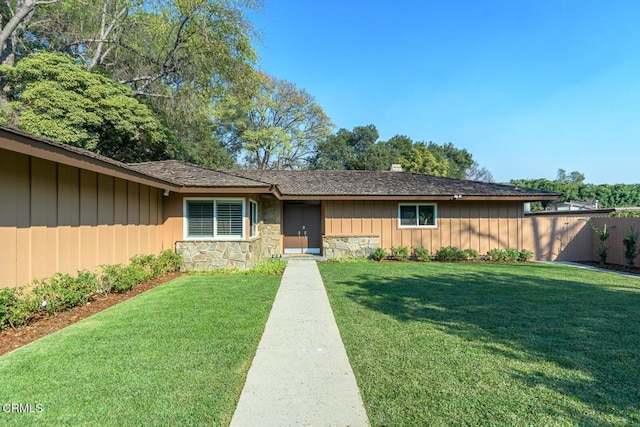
x=177, y=355
x=478, y=344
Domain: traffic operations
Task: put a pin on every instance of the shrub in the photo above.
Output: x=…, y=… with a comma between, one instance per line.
x=496, y=255
x=270, y=267
x=525, y=255
x=603, y=234
x=168, y=261
x=122, y=278
x=421, y=254
x=472, y=254
x=379, y=254
x=145, y=267
x=400, y=253
x=63, y=292
x=450, y=253
x=630, y=243
x=16, y=309
x=511, y=254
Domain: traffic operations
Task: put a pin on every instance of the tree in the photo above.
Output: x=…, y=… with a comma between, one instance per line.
x=14, y=19
x=478, y=173
x=52, y=96
x=459, y=160
x=277, y=128
x=345, y=149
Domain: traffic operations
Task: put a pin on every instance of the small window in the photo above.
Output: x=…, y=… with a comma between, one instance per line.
x=214, y=219
x=253, y=218
x=417, y=215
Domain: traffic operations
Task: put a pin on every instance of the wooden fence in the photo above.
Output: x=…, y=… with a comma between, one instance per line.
x=571, y=238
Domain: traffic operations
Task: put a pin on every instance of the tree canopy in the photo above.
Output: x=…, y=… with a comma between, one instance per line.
x=360, y=149
x=51, y=95
x=277, y=127
x=573, y=188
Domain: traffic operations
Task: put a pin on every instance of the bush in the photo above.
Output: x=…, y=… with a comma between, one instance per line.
x=511, y=254
x=379, y=254
x=63, y=292
x=496, y=255
x=421, y=254
x=450, y=253
x=630, y=243
x=472, y=254
x=400, y=253
x=144, y=267
x=270, y=267
x=168, y=261
x=16, y=309
x=525, y=255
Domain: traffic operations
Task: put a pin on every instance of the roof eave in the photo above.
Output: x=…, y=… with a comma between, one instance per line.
x=39, y=148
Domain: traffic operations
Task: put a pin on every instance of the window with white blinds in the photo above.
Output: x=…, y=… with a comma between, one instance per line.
x=214, y=218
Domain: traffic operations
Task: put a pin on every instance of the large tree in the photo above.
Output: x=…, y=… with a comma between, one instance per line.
x=178, y=56
x=277, y=127
x=52, y=96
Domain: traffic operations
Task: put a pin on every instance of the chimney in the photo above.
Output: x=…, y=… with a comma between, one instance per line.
x=396, y=168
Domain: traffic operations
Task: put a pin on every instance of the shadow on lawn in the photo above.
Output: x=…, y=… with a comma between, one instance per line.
x=570, y=322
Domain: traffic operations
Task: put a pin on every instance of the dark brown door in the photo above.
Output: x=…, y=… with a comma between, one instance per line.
x=302, y=228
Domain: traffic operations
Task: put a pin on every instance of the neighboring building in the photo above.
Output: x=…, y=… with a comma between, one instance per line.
x=67, y=209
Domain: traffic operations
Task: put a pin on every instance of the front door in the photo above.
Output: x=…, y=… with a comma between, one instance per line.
x=302, y=234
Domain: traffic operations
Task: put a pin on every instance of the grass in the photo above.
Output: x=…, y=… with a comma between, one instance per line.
x=177, y=355
x=477, y=344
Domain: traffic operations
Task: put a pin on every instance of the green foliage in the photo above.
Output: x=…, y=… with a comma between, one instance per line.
x=626, y=214
x=630, y=243
x=16, y=308
x=350, y=260
x=269, y=267
x=400, y=253
x=379, y=254
x=496, y=255
x=266, y=267
x=63, y=292
x=53, y=96
x=168, y=261
x=472, y=254
x=603, y=234
x=276, y=128
x=359, y=149
x=573, y=188
x=525, y=255
x=421, y=254
x=450, y=253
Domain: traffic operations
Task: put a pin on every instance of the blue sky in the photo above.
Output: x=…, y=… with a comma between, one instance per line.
x=526, y=86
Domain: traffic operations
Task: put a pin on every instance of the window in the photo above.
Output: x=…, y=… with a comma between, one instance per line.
x=253, y=218
x=214, y=218
x=417, y=215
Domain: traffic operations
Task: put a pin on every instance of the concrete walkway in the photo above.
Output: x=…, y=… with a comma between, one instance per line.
x=300, y=375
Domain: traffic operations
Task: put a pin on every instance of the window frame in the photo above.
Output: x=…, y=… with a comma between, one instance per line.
x=216, y=236
x=254, y=218
x=417, y=205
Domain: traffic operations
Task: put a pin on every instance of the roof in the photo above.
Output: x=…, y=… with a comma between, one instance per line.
x=190, y=175
x=184, y=177
x=322, y=183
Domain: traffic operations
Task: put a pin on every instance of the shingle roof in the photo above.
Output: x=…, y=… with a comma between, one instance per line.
x=190, y=175
x=382, y=183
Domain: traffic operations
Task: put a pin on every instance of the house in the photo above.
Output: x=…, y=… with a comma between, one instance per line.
x=66, y=209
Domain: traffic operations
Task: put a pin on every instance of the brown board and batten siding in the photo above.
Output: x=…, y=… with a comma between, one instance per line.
x=480, y=225
x=60, y=218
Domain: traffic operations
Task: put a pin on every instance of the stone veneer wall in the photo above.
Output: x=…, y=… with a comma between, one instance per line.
x=211, y=255
x=269, y=226
x=349, y=246
x=242, y=254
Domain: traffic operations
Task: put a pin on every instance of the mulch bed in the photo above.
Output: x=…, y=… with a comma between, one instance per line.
x=12, y=339
x=613, y=267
